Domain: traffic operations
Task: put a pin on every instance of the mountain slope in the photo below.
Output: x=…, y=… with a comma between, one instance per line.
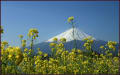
x=68, y=34
x=44, y=46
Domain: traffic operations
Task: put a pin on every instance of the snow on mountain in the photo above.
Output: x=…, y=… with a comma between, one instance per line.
x=68, y=34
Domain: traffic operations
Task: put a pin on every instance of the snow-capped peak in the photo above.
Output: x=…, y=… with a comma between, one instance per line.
x=68, y=34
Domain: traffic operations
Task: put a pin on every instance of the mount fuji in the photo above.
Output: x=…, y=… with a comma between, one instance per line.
x=68, y=34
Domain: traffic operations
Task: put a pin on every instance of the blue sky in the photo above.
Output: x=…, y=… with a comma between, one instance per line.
x=97, y=19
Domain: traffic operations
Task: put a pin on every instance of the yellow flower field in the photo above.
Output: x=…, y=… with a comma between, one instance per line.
x=20, y=60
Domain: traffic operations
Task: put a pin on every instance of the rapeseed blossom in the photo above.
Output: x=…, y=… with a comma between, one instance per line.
x=33, y=33
x=18, y=60
x=21, y=36
x=70, y=19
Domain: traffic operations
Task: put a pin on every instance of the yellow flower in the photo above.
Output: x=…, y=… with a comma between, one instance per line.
x=85, y=39
x=116, y=59
x=33, y=32
x=73, y=50
x=17, y=56
x=111, y=43
x=10, y=56
x=18, y=48
x=89, y=37
x=21, y=36
x=91, y=41
x=110, y=54
x=55, y=39
x=64, y=68
x=52, y=44
x=25, y=50
x=88, y=47
x=101, y=62
x=1, y=58
x=36, y=62
x=110, y=46
x=79, y=51
x=30, y=50
x=70, y=19
x=96, y=55
x=75, y=71
x=64, y=53
x=81, y=56
x=23, y=44
x=101, y=47
x=63, y=40
x=25, y=54
x=45, y=55
x=88, y=41
x=85, y=62
x=53, y=49
x=114, y=43
x=101, y=55
x=5, y=42
x=26, y=59
x=2, y=52
x=61, y=45
x=96, y=71
x=24, y=41
x=86, y=44
x=58, y=52
x=40, y=52
x=10, y=50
